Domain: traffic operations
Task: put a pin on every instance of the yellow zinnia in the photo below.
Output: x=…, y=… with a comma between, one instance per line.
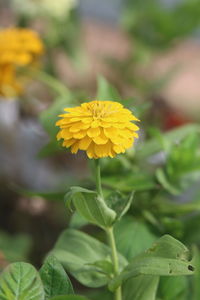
x=101, y=128
x=18, y=48
x=9, y=85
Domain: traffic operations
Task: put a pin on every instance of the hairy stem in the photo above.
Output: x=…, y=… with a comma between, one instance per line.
x=98, y=178
x=109, y=231
x=111, y=241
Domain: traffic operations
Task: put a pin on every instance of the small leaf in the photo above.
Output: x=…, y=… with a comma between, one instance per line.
x=20, y=281
x=91, y=206
x=106, y=90
x=103, y=266
x=55, y=280
x=119, y=203
x=77, y=251
x=165, y=183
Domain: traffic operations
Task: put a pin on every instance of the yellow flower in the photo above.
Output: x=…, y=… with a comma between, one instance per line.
x=101, y=128
x=9, y=86
x=18, y=48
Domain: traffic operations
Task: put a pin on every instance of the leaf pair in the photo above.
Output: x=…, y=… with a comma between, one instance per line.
x=21, y=281
x=86, y=258
x=167, y=257
x=94, y=209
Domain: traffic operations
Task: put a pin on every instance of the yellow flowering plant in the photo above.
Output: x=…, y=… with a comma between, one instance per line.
x=105, y=129
x=18, y=48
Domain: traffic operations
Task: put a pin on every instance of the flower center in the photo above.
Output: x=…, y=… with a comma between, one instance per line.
x=100, y=110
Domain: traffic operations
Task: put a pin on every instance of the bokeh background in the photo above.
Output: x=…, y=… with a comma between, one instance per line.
x=148, y=51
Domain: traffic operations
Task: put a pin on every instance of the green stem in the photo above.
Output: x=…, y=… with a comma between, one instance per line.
x=109, y=231
x=98, y=178
x=52, y=82
x=111, y=241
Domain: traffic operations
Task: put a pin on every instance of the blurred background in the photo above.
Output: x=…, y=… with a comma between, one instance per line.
x=144, y=52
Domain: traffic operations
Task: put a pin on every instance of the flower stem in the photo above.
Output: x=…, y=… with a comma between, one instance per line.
x=52, y=82
x=98, y=178
x=109, y=231
x=111, y=241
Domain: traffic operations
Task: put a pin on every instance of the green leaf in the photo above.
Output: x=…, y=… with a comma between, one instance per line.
x=106, y=91
x=165, y=183
x=20, y=281
x=77, y=250
x=132, y=237
x=69, y=297
x=119, y=203
x=55, y=280
x=152, y=146
x=168, y=247
x=99, y=294
x=133, y=182
x=167, y=257
x=153, y=266
x=91, y=206
x=196, y=279
x=77, y=221
x=171, y=288
x=141, y=288
x=103, y=266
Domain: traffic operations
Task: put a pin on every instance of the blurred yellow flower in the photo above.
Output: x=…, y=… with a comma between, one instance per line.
x=9, y=85
x=101, y=128
x=18, y=48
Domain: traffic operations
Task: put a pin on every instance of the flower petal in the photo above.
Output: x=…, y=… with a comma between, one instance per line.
x=93, y=132
x=68, y=143
x=79, y=135
x=75, y=147
x=101, y=139
x=84, y=143
x=90, y=151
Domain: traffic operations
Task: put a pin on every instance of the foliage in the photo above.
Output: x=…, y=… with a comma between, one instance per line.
x=21, y=281
x=155, y=25
x=86, y=258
